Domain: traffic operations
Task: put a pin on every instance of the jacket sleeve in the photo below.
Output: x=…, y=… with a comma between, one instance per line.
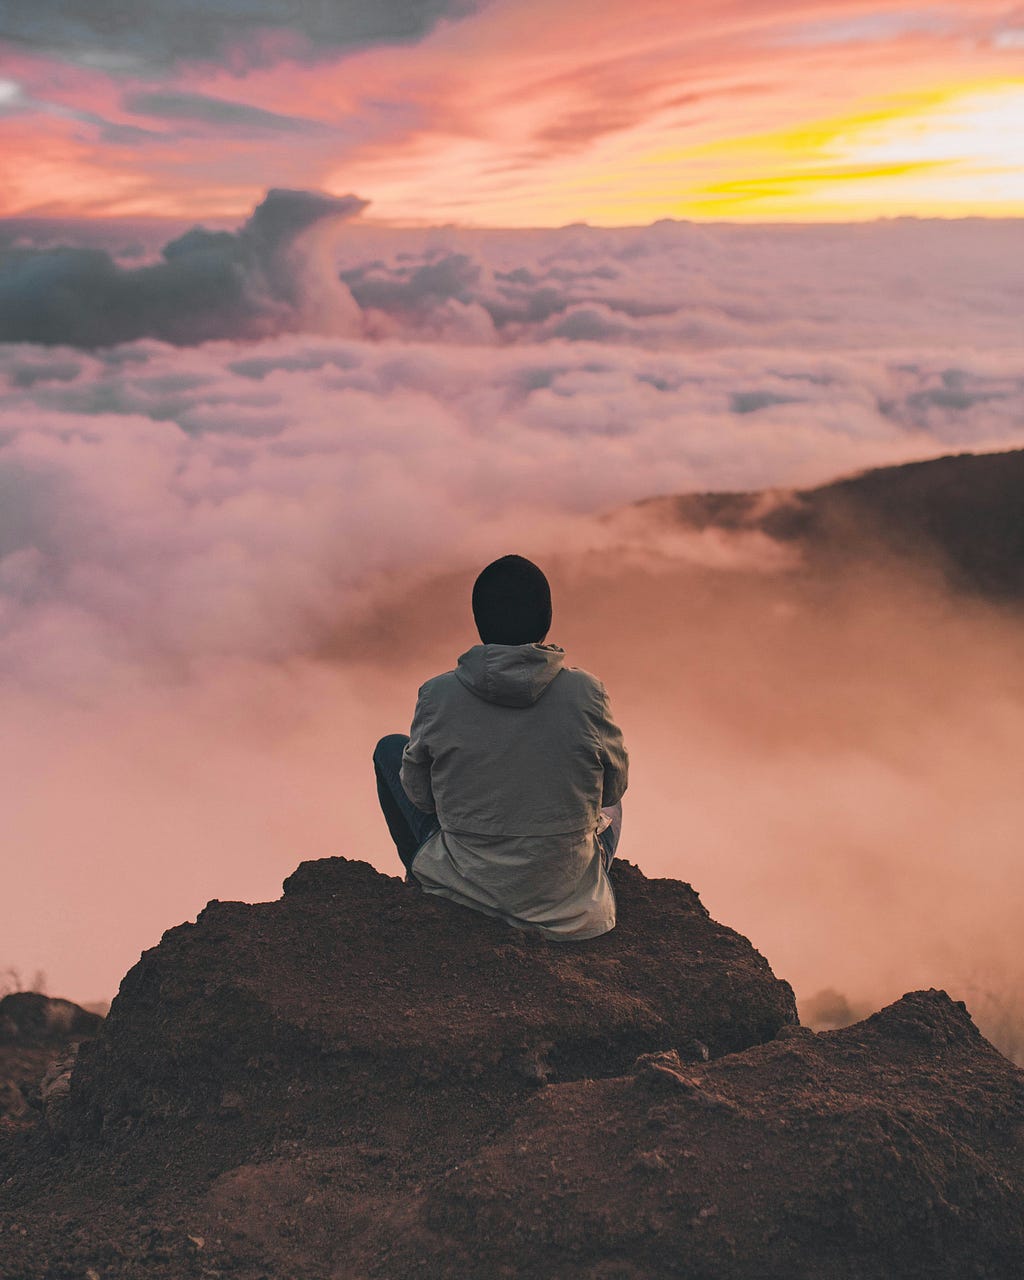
x=614, y=757
x=416, y=758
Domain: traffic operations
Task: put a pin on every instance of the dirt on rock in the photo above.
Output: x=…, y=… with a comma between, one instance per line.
x=354, y=985
x=361, y=1081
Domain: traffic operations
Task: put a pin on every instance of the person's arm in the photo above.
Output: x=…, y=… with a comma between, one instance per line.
x=614, y=757
x=415, y=772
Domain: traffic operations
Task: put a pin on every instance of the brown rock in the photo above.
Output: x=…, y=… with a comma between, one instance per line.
x=353, y=985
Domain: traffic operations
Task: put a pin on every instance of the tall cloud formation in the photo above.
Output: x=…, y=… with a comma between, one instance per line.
x=225, y=567
x=210, y=284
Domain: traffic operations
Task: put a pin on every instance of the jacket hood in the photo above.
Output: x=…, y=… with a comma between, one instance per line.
x=512, y=675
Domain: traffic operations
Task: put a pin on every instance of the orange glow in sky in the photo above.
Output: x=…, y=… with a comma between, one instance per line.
x=522, y=113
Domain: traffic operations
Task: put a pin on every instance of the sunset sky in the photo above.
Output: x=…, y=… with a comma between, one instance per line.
x=516, y=112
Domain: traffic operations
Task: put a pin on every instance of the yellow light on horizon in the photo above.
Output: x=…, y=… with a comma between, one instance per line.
x=948, y=152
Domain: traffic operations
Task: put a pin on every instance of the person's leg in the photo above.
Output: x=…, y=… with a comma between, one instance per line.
x=609, y=837
x=408, y=825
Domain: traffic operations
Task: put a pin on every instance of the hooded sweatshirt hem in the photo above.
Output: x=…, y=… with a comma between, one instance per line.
x=551, y=932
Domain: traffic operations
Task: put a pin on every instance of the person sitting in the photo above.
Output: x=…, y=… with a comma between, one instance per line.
x=506, y=794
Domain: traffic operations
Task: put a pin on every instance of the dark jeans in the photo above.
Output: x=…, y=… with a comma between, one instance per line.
x=410, y=827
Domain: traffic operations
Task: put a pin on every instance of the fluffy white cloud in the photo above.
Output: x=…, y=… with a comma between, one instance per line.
x=235, y=498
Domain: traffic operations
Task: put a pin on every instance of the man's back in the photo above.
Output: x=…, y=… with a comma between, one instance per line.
x=517, y=753
x=518, y=744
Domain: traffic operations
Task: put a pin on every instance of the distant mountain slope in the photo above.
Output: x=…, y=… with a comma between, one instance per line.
x=965, y=511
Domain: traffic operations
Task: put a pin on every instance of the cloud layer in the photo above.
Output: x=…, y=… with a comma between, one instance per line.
x=299, y=263
x=225, y=567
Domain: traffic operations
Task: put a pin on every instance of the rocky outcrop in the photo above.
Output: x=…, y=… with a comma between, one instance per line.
x=354, y=985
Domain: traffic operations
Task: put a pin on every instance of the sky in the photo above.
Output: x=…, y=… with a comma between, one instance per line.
x=304, y=319
x=515, y=113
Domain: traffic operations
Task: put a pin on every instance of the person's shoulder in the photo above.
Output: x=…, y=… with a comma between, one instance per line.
x=583, y=683
x=438, y=684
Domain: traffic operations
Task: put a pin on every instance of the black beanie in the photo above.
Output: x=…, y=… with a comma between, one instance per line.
x=512, y=602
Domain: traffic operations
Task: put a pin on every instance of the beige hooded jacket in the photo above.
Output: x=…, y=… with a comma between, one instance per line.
x=517, y=753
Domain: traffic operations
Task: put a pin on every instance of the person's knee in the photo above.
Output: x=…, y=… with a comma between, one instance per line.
x=390, y=747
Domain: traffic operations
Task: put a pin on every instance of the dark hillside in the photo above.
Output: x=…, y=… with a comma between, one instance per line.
x=963, y=513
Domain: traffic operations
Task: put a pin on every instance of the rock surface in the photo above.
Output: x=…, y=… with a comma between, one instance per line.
x=354, y=984
x=359, y=1081
x=892, y=1148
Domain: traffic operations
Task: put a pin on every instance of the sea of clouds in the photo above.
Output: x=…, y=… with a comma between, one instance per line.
x=245, y=483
